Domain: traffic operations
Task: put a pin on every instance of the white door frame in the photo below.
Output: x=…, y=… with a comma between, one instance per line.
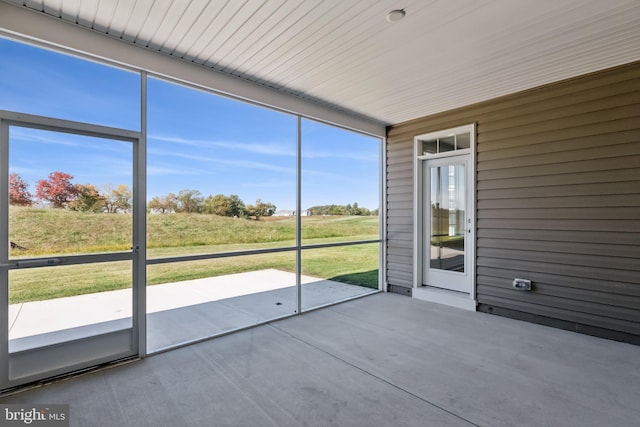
x=28, y=365
x=465, y=300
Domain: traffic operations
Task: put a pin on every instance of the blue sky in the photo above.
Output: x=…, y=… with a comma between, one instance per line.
x=196, y=140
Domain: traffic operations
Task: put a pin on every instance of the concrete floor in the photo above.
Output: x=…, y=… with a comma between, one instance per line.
x=382, y=360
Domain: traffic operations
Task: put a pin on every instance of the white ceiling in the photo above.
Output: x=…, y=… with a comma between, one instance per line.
x=443, y=54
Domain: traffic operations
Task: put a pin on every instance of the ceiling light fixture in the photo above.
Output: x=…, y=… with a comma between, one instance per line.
x=396, y=15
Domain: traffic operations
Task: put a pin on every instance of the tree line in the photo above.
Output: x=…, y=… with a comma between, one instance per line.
x=349, y=209
x=58, y=191
x=192, y=201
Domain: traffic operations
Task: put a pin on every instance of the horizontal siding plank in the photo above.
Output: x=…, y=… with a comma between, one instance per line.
x=625, y=225
x=628, y=265
x=612, y=315
x=399, y=160
x=400, y=220
x=586, y=302
x=566, y=93
x=400, y=167
x=403, y=177
x=583, y=213
x=400, y=260
x=562, y=270
x=401, y=207
x=404, y=252
x=400, y=283
x=400, y=177
x=404, y=256
x=562, y=313
x=399, y=277
x=609, y=248
x=611, y=96
x=606, y=200
x=603, y=140
x=594, y=189
x=563, y=123
x=628, y=164
x=401, y=271
x=622, y=150
x=393, y=213
x=400, y=237
x=402, y=150
x=581, y=178
x=569, y=236
x=623, y=289
x=401, y=244
x=400, y=228
x=613, y=126
x=399, y=197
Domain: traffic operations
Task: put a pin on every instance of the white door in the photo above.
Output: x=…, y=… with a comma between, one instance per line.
x=447, y=228
x=69, y=259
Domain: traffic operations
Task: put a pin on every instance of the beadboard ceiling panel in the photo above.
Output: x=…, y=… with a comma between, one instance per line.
x=344, y=53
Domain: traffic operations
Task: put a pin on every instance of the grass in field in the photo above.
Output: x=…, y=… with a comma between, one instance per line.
x=56, y=231
x=47, y=231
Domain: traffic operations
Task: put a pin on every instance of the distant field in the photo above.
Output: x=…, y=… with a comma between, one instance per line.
x=44, y=232
x=57, y=231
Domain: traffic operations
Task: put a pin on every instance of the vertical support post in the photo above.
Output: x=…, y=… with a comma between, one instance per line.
x=382, y=217
x=4, y=253
x=299, y=216
x=140, y=226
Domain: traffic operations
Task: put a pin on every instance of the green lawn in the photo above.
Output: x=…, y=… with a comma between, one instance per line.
x=46, y=232
x=56, y=231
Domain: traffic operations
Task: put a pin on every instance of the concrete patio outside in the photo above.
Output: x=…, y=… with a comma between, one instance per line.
x=177, y=312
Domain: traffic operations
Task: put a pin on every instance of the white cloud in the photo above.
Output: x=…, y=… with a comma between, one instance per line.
x=267, y=148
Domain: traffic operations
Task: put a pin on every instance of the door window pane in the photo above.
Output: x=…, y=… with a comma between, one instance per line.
x=463, y=141
x=430, y=146
x=447, y=217
x=447, y=144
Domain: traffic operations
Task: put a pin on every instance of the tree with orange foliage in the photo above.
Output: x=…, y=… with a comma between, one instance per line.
x=18, y=191
x=57, y=189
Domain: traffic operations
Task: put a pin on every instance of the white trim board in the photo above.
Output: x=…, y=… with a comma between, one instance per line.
x=445, y=297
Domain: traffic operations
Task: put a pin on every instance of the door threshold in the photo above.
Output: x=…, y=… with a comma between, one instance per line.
x=456, y=299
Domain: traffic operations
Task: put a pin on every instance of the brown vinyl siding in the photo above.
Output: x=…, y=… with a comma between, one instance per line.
x=558, y=200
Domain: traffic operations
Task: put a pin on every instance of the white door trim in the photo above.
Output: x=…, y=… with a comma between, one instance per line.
x=464, y=300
